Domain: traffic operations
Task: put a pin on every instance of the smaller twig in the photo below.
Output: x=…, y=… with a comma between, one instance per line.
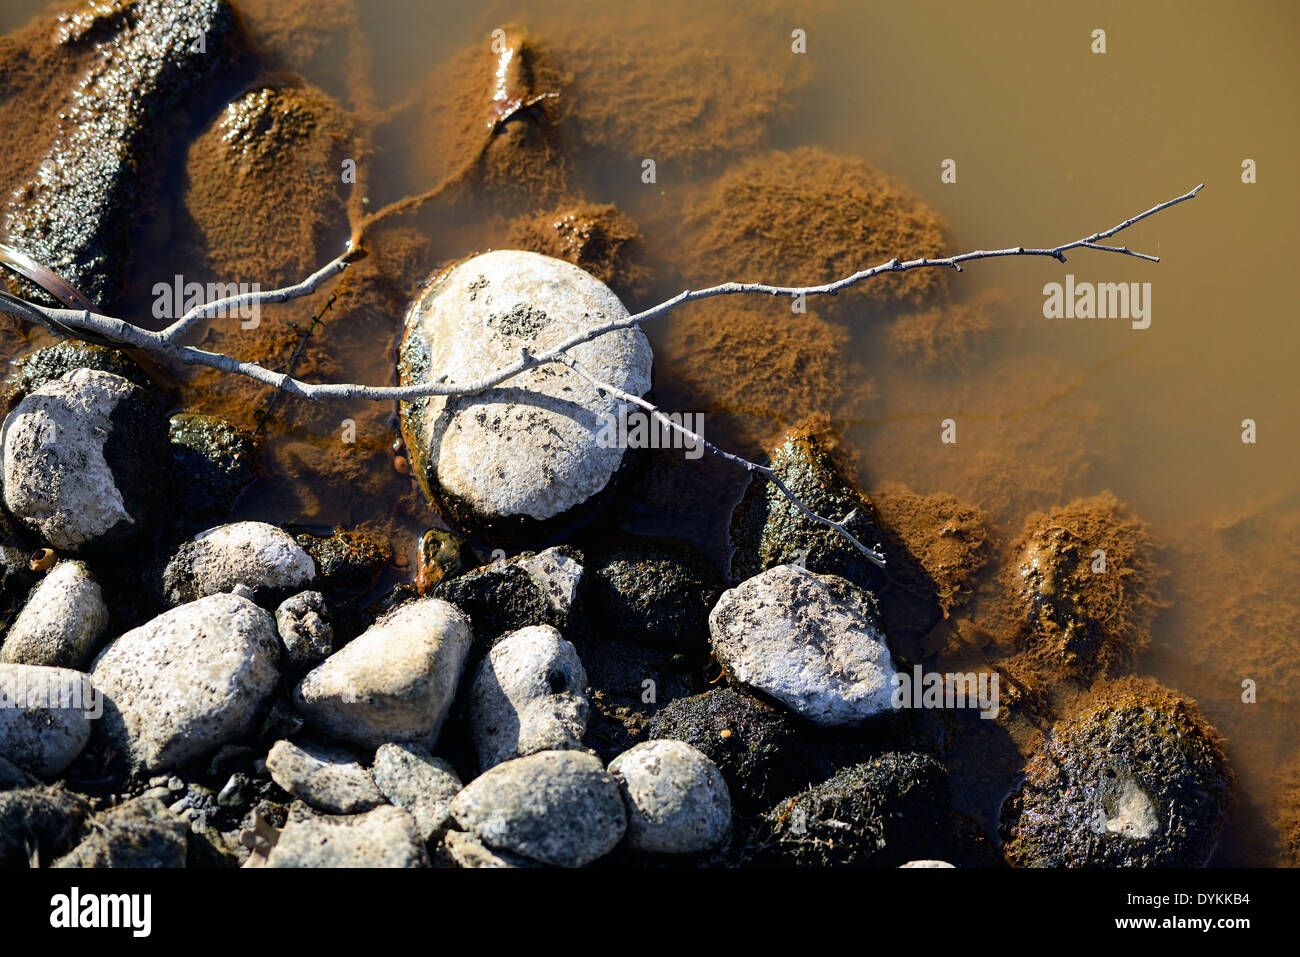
x=764, y=470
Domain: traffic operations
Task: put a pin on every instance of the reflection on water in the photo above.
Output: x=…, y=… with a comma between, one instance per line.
x=1051, y=142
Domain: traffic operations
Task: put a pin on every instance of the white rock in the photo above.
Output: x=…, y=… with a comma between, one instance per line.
x=187, y=682
x=328, y=779
x=556, y=807
x=926, y=864
x=411, y=778
x=45, y=716
x=384, y=837
x=677, y=800
x=813, y=642
x=528, y=696
x=57, y=479
x=395, y=681
x=254, y=554
x=58, y=626
x=528, y=447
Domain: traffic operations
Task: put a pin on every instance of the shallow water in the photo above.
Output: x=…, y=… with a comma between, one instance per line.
x=1051, y=142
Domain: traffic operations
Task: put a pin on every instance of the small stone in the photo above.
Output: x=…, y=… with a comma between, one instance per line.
x=45, y=716
x=394, y=682
x=306, y=634
x=525, y=455
x=79, y=456
x=255, y=554
x=328, y=779
x=528, y=697
x=465, y=850
x=556, y=807
x=813, y=642
x=139, y=833
x=411, y=778
x=925, y=864
x=187, y=682
x=384, y=837
x=60, y=622
x=677, y=801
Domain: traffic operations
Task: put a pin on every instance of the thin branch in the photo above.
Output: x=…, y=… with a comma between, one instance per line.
x=166, y=342
x=764, y=470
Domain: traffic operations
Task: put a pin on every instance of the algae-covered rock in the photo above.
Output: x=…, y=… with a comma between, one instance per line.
x=139, y=833
x=98, y=179
x=347, y=561
x=38, y=825
x=1081, y=586
x=213, y=460
x=767, y=529
x=1136, y=778
x=884, y=812
x=52, y=362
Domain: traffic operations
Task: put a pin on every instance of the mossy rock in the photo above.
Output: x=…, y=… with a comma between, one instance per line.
x=767, y=529
x=886, y=811
x=1136, y=778
x=347, y=562
x=214, y=462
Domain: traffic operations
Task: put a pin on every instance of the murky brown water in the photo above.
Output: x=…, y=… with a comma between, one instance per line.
x=1051, y=142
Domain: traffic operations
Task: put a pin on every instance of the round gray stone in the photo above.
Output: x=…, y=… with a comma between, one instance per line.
x=813, y=642
x=529, y=447
x=556, y=807
x=328, y=779
x=254, y=554
x=394, y=682
x=528, y=696
x=58, y=626
x=411, y=778
x=677, y=800
x=45, y=716
x=187, y=682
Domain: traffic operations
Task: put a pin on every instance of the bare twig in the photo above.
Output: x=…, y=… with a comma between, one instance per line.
x=83, y=321
x=764, y=470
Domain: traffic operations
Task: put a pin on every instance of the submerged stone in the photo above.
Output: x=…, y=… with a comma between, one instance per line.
x=1136, y=778
x=76, y=216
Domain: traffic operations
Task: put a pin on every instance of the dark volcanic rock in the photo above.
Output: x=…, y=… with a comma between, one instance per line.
x=753, y=744
x=139, y=833
x=43, y=821
x=76, y=215
x=651, y=594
